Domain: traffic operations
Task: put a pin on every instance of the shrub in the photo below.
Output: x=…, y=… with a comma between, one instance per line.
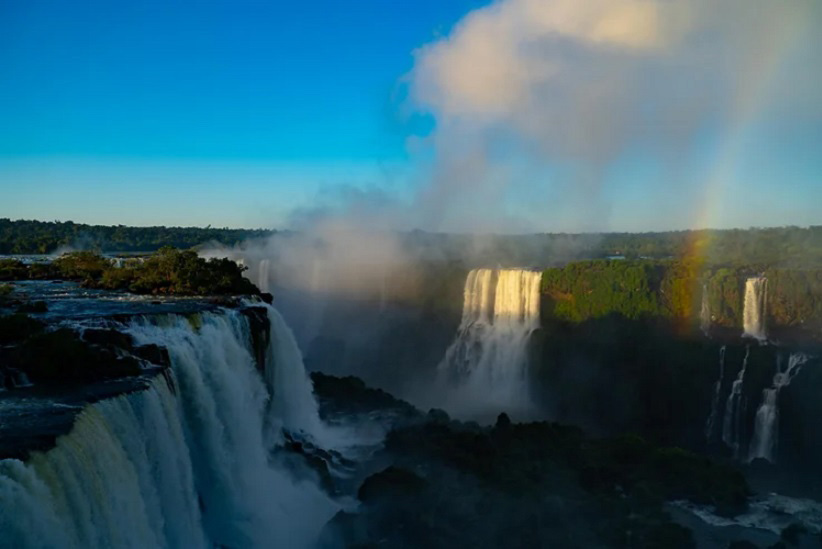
x=81, y=265
x=12, y=269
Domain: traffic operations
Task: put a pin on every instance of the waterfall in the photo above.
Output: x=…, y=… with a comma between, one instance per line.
x=486, y=365
x=766, y=425
x=735, y=410
x=263, y=275
x=292, y=403
x=185, y=463
x=123, y=477
x=711, y=424
x=705, y=311
x=753, y=316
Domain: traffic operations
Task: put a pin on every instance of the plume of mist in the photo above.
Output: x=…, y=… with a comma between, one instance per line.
x=535, y=102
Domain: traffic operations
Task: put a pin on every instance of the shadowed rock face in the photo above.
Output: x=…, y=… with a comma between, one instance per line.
x=260, y=327
x=444, y=483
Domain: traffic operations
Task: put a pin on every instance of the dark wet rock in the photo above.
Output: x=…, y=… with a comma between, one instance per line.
x=223, y=301
x=316, y=459
x=154, y=354
x=391, y=482
x=60, y=357
x=108, y=338
x=267, y=298
x=742, y=544
x=260, y=328
x=436, y=415
x=793, y=533
x=17, y=327
x=346, y=530
x=350, y=396
x=33, y=307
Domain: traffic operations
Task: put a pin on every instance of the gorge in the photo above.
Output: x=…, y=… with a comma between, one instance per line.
x=218, y=439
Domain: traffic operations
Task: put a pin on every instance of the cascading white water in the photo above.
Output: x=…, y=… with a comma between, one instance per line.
x=734, y=410
x=292, y=395
x=263, y=281
x=486, y=365
x=152, y=470
x=710, y=425
x=766, y=425
x=123, y=477
x=755, y=309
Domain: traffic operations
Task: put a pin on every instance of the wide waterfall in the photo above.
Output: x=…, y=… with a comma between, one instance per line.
x=486, y=365
x=753, y=316
x=735, y=407
x=184, y=463
x=766, y=426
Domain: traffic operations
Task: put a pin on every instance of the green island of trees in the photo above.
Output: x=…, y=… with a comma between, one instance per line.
x=167, y=272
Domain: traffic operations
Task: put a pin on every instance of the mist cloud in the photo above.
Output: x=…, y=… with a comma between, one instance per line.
x=539, y=98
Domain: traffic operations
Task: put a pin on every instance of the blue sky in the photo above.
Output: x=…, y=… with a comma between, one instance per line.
x=237, y=113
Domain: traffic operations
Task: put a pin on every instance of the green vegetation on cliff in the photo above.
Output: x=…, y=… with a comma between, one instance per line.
x=171, y=271
x=795, y=297
x=673, y=289
x=592, y=289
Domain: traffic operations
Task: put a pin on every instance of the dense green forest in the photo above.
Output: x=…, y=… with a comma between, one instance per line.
x=759, y=247
x=674, y=289
x=590, y=289
x=784, y=247
x=42, y=237
x=787, y=247
x=167, y=271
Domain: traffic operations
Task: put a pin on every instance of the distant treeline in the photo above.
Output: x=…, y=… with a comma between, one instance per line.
x=758, y=248
x=42, y=237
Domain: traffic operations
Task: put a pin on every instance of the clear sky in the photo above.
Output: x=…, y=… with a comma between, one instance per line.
x=465, y=114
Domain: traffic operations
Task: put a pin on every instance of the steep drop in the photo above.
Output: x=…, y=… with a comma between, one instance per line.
x=755, y=309
x=766, y=425
x=735, y=406
x=184, y=463
x=485, y=368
